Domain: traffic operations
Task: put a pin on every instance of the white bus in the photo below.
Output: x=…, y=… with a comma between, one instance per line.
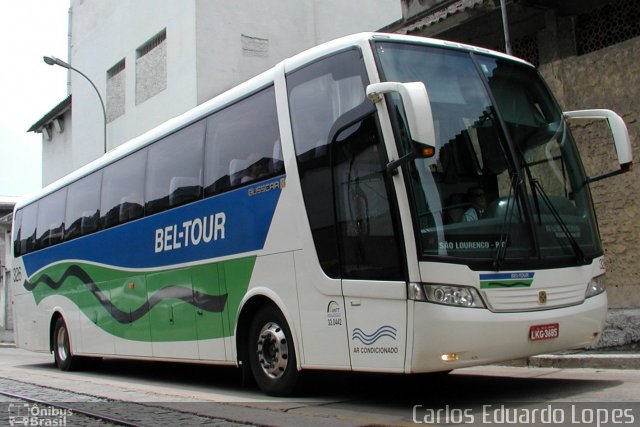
x=378, y=203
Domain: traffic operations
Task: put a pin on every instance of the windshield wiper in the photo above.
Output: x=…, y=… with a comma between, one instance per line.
x=536, y=187
x=501, y=249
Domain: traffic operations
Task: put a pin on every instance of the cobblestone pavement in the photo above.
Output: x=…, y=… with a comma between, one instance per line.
x=19, y=412
x=171, y=391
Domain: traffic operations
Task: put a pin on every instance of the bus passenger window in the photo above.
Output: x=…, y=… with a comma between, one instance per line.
x=83, y=206
x=28, y=228
x=122, y=189
x=243, y=144
x=50, y=225
x=174, y=169
x=17, y=228
x=130, y=208
x=184, y=189
x=89, y=222
x=24, y=234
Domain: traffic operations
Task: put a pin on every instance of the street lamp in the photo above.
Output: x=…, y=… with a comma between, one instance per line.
x=52, y=60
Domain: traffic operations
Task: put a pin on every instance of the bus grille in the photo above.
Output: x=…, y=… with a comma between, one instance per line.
x=527, y=299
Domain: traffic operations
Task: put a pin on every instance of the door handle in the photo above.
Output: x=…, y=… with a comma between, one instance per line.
x=356, y=303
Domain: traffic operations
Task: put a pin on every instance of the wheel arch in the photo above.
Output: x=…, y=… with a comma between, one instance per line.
x=250, y=305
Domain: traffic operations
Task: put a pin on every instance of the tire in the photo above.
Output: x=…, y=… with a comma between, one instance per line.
x=272, y=355
x=64, y=359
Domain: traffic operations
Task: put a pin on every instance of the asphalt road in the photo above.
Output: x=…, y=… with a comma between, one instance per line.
x=489, y=395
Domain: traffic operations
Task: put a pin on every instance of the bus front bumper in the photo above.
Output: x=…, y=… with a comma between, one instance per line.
x=446, y=337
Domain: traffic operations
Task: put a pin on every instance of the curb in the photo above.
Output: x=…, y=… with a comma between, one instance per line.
x=586, y=360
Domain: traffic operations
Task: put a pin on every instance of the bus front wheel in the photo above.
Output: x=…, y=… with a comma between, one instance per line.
x=272, y=356
x=64, y=360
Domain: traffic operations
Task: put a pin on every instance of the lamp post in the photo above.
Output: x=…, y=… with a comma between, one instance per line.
x=505, y=27
x=52, y=60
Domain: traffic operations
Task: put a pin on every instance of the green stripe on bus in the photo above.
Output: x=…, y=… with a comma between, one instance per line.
x=179, y=304
x=495, y=284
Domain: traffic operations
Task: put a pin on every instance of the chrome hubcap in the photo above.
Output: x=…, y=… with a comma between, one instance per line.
x=62, y=345
x=273, y=350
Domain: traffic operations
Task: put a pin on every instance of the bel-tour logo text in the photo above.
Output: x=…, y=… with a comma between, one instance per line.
x=190, y=233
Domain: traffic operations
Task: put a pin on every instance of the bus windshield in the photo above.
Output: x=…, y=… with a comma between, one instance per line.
x=506, y=187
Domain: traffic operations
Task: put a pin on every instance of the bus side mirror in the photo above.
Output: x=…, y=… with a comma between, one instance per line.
x=417, y=107
x=620, y=137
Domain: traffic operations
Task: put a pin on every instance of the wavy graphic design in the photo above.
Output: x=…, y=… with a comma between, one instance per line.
x=369, y=339
x=210, y=303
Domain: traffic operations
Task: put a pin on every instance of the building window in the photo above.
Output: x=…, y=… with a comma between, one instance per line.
x=527, y=48
x=116, y=85
x=608, y=25
x=151, y=67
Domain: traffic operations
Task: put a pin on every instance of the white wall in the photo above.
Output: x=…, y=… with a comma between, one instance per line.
x=337, y=18
x=289, y=26
x=58, y=152
x=106, y=32
x=204, y=57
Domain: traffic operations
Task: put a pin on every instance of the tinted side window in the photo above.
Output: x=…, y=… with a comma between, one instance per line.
x=27, y=233
x=50, y=224
x=83, y=206
x=243, y=143
x=369, y=245
x=319, y=94
x=123, y=190
x=174, y=169
x=17, y=230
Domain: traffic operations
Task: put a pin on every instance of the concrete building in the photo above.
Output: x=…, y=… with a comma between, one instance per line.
x=155, y=59
x=6, y=315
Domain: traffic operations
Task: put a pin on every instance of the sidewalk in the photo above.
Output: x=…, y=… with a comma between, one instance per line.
x=625, y=357
x=617, y=348
x=586, y=360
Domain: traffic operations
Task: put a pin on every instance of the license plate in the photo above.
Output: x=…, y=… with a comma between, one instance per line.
x=544, y=332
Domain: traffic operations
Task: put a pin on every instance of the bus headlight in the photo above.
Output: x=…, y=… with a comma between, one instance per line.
x=460, y=296
x=596, y=286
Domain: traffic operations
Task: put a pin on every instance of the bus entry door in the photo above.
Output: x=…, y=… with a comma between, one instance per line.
x=376, y=321
x=371, y=260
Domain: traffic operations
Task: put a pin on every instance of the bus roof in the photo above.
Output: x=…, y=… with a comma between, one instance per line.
x=238, y=92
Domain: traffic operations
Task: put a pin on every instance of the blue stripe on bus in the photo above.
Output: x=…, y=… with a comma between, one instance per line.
x=231, y=223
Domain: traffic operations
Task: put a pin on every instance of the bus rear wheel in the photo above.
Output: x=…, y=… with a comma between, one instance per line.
x=64, y=359
x=272, y=356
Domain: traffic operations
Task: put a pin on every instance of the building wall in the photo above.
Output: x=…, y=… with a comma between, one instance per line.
x=415, y=7
x=210, y=46
x=336, y=18
x=57, y=152
x=608, y=78
x=236, y=43
x=6, y=260
x=6, y=315
x=105, y=33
